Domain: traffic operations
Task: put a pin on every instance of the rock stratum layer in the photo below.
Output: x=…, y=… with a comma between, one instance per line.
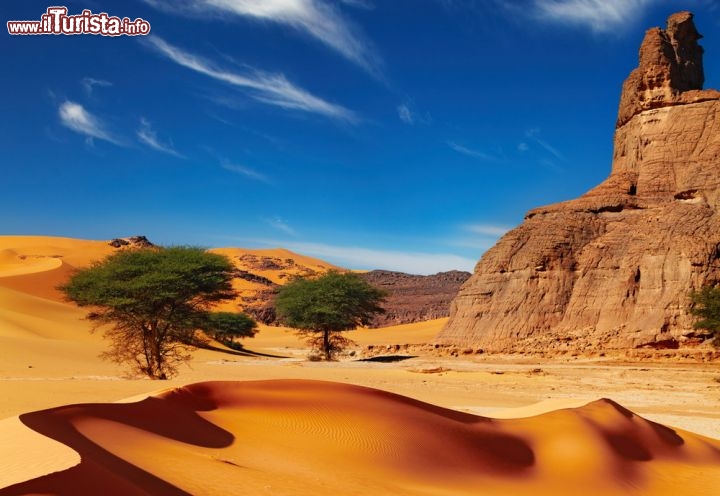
x=613, y=269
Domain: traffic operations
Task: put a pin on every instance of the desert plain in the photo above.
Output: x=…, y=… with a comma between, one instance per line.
x=268, y=421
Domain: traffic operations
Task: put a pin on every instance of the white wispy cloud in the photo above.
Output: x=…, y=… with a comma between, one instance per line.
x=409, y=115
x=245, y=171
x=317, y=18
x=75, y=117
x=361, y=4
x=480, y=236
x=353, y=257
x=599, y=15
x=491, y=230
x=281, y=225
x=272, y=89
x=146, y=134
x=405, y=114
x=470, y=152
x=89, y=83
x=534, y=135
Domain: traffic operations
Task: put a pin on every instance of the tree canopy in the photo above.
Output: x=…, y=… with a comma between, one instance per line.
x=154, y=300
x=706, y=307
x=328, y=305
x=227, y=326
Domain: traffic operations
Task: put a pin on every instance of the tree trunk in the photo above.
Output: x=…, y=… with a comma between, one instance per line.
x=326, y=344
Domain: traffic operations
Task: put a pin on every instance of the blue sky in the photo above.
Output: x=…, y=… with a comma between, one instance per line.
x=398, y=134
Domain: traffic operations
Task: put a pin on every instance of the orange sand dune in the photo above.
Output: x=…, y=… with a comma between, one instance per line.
x=291, y=437
x=36, y=265
x=76, y=252
x=278, y=253
x=276, y=265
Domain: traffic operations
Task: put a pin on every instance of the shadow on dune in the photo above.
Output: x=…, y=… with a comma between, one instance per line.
x=240, y=351
x=101, y=472
x=388, y=358
x=626, y=438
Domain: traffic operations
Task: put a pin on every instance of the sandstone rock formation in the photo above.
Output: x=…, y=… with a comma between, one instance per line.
x=613, y=268
x=670, y=71
x=132, y=241
x=413, y=298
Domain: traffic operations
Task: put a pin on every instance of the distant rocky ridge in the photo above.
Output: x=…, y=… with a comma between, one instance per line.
x=413, y=298
x=410, y=298
x=613, y=269
x=132, y=241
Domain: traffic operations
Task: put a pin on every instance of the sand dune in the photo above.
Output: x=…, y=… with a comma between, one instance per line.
x=27, y=454
x=76, y=252
x=307, y=437
x=36, y=265
x=263, y=266
x=313, y=437
x=12, y=263
x=278, y=255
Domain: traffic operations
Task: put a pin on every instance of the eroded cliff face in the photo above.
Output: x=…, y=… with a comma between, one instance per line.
x=613, y=268
x=412, y=298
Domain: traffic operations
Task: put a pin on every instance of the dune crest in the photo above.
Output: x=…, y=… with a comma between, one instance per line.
x=314, y=437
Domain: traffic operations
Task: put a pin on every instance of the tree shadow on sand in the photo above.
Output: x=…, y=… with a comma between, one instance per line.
x=387, y=358
x=239, y=351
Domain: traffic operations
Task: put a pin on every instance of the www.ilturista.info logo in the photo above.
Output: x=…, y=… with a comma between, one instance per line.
x=57, y=21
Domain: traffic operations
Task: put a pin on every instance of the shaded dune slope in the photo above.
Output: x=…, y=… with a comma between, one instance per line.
x=312, y=437
x=42, y=284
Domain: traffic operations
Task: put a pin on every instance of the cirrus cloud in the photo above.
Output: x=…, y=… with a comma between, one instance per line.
x=271, y=89
x=76, y=118
x=147, y=135
x=599, y=15
x=316, y=18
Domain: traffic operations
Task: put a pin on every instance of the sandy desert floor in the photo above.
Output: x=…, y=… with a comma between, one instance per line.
x=351, y=440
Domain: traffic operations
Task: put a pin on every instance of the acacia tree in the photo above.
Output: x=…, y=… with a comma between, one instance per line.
x=154, y=300
x=226, y=327
x=706, y=307
x=323, y=308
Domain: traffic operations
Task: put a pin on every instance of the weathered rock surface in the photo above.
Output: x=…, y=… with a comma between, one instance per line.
x=413, y=298
x=613, y=268
x=670, y=71
x=132, y=242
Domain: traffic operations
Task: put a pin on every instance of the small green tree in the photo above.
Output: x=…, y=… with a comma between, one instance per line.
x=323, y=308
x=706, y=307
x=226, y=327
x=154, y=300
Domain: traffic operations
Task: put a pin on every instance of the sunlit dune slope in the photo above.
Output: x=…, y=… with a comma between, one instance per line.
x=76, y=252
x=277, y=264
x=307, y=437
x=258, y=270
x=36, y=265
x=39, y=330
